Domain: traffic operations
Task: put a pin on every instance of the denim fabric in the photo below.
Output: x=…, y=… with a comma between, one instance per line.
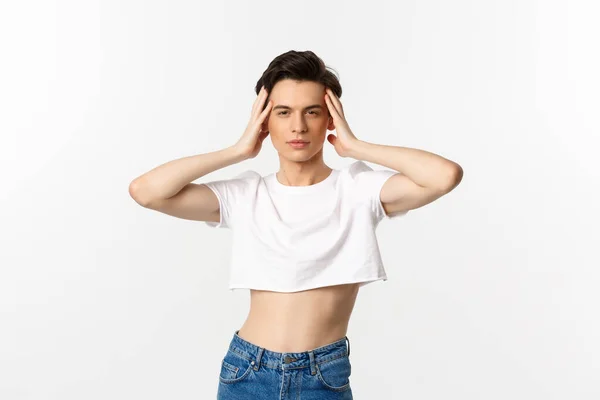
x=252, y=372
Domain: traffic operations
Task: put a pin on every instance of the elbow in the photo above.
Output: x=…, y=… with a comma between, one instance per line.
x=455, y=175
x=136, y=191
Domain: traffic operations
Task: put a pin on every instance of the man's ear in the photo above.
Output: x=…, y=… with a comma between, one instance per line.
x=330, y=124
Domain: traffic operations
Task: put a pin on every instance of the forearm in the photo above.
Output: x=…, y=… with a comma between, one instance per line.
x=168, y=179
x=422, y=167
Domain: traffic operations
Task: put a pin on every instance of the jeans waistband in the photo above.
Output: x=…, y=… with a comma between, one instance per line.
x=273, y=359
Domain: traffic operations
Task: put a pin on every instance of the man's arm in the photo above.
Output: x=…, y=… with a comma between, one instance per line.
x=424, y=176
x=168, y=188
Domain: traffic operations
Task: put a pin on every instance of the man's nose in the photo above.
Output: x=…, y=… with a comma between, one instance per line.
x=298, y=124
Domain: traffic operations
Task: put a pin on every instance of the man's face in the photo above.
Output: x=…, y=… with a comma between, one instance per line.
x=299, y=112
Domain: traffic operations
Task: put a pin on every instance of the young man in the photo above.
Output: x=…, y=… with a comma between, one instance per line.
x=303, y=237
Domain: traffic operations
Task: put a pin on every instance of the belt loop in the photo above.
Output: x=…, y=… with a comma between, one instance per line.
x=348, y=340
x=311, y=356
x=258, y=358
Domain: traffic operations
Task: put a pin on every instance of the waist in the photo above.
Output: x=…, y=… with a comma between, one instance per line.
x=297, y=359
x=299, y=321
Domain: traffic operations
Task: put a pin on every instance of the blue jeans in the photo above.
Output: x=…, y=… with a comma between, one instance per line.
x=252, y=372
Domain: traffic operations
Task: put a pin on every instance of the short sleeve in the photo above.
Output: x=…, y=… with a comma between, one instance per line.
x=231, y=194
x=368, y=185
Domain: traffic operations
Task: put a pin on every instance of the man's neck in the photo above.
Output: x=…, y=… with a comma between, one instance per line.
x=292, y=173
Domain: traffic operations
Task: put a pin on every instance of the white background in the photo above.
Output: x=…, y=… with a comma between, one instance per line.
x=492, y=290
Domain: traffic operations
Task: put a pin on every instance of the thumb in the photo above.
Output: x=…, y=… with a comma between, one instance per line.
x=331, y=138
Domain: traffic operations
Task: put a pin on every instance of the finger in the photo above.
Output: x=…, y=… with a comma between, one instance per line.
x=255, y=103
x=332, y=110
x=336, y=102
x=263, y=115
x=335, y=98
x=263, y=101
x=258, y=101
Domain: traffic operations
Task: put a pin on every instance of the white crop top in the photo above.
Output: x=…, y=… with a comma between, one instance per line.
x=293, y=238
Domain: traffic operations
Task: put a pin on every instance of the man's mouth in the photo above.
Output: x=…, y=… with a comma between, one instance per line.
x=298, y=144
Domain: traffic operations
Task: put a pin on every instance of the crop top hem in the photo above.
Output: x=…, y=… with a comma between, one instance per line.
x=362, y=281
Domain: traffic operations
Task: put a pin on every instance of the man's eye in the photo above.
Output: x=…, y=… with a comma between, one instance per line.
x=310, y=112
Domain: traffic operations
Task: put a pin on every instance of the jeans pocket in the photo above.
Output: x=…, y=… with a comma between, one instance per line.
x=235, y=367
x=335, y=374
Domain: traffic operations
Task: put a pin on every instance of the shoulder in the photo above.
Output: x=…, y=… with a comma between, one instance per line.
x=245, y=183
x=356, y=168
x=248, y=176
x=241, y=183
x=354, y=173
x=362, y=175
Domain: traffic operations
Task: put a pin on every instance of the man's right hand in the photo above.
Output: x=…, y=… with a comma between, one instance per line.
x=250, y=143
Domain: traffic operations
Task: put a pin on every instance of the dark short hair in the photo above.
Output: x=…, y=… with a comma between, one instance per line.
x=299, y=66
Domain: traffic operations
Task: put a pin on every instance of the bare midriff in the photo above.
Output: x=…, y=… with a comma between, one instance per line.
x=299, y=321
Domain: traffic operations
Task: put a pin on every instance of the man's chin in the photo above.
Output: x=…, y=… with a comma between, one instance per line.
x=298, y=155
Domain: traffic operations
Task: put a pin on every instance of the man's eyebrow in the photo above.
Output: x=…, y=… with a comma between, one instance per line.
x=289, y=108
